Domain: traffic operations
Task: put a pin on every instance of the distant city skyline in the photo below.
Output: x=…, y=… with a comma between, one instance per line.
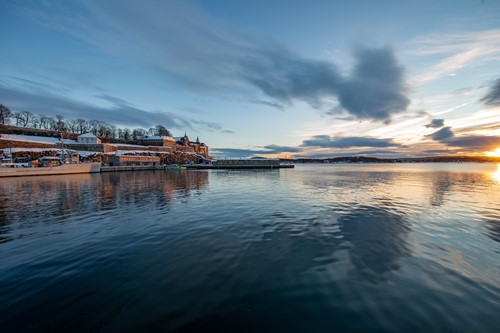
x=268, y=78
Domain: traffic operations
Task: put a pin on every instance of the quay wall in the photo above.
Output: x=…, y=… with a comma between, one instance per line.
x=131, y=168
x=82, y=146
x=6, y=143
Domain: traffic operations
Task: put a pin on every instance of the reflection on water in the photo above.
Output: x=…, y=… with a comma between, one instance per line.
x=378, y=238
x=496, y=175
x=442, y=183
x=317, y=248
x=31, y=201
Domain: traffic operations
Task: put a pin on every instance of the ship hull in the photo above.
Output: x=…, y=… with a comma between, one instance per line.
x=64, y=169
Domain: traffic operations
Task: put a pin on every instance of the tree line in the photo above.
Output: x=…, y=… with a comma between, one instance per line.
x=99, y=128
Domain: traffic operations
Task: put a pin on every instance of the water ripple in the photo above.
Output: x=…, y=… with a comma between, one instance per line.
x=321, y=248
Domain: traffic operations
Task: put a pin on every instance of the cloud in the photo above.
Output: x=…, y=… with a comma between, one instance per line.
x=471, y=143
x=275, y=149
x=277, y=106
x=368, y=153
x=120, y=112
x=442, y=134
x=460, y=50
x=474, y=143
x=113, y=100
x=184, y=45
x=435, y=123
x=266, y=150
x=492, y=98
x=325, y=141
x=210, y=126
x=376, y=88
x=234, y=152
x=437, y=151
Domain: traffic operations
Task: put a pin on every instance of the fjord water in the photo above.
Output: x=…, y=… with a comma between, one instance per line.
x=318, y=248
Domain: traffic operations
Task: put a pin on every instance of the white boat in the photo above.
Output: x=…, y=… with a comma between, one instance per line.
x=63, y=169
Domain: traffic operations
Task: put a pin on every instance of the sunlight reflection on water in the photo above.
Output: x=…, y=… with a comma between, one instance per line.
x=496, y=174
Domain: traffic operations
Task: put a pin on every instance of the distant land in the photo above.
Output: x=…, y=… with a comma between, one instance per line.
x=364, y=159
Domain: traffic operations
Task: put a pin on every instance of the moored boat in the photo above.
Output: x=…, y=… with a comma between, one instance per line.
x=62, y=169
x=175, y=167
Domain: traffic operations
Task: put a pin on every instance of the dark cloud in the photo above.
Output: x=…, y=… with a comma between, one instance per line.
x=234, y=152
x=492, y=98
x=186, y=46
x=239, y=153
x=275, y=149
x=437, y=151
x=442, y=134
x=367, y=153
x=379, y=152
x=475, y=143
x=325, y=141
x=435, y=123
x=470, y=143
x=120, y=112
x=376, y=89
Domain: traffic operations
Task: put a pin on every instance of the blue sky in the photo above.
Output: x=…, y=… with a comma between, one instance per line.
x=287, y=78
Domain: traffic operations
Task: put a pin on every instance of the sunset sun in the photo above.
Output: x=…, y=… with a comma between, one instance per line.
x=494, y=153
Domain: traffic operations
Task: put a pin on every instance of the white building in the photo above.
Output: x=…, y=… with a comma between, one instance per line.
x=88, y=138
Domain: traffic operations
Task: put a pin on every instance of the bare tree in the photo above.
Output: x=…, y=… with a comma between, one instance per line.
x=72, y=125
x=35, y=121
x=162, y=131
x=44, y=123
x=18, y=117
x=5, y=114
x=138, y=132
x=127, y=135
x=51, y=123
x=60, y=125
x=82, y=126
x=23, y=118
x=113, y=131
x=94, y=126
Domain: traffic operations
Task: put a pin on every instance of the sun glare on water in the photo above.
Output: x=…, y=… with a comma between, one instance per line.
x=496, y=174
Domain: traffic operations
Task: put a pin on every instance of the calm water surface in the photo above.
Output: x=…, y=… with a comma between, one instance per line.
x=318, y=248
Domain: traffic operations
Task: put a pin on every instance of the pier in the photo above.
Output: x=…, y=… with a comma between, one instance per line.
x=238, y=167
x=132, y=168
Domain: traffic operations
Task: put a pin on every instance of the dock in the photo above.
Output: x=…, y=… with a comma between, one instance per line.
x=238, y=167
x=132, y=168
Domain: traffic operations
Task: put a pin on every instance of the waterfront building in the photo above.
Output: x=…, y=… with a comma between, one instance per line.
x=130, y=160
x=88, y=138
x=157, y=141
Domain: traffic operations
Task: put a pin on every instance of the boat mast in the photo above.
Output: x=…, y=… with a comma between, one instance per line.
x=63, y=159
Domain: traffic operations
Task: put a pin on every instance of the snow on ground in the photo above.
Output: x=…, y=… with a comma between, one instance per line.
x=33, y=138
x=37, y=150
x=133, y=152
x=122, y=145
x=87, y=153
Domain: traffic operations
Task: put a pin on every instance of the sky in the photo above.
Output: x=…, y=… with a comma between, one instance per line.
x=274, y=78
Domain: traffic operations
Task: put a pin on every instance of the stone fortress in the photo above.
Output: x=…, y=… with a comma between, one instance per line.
x=168, y=149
